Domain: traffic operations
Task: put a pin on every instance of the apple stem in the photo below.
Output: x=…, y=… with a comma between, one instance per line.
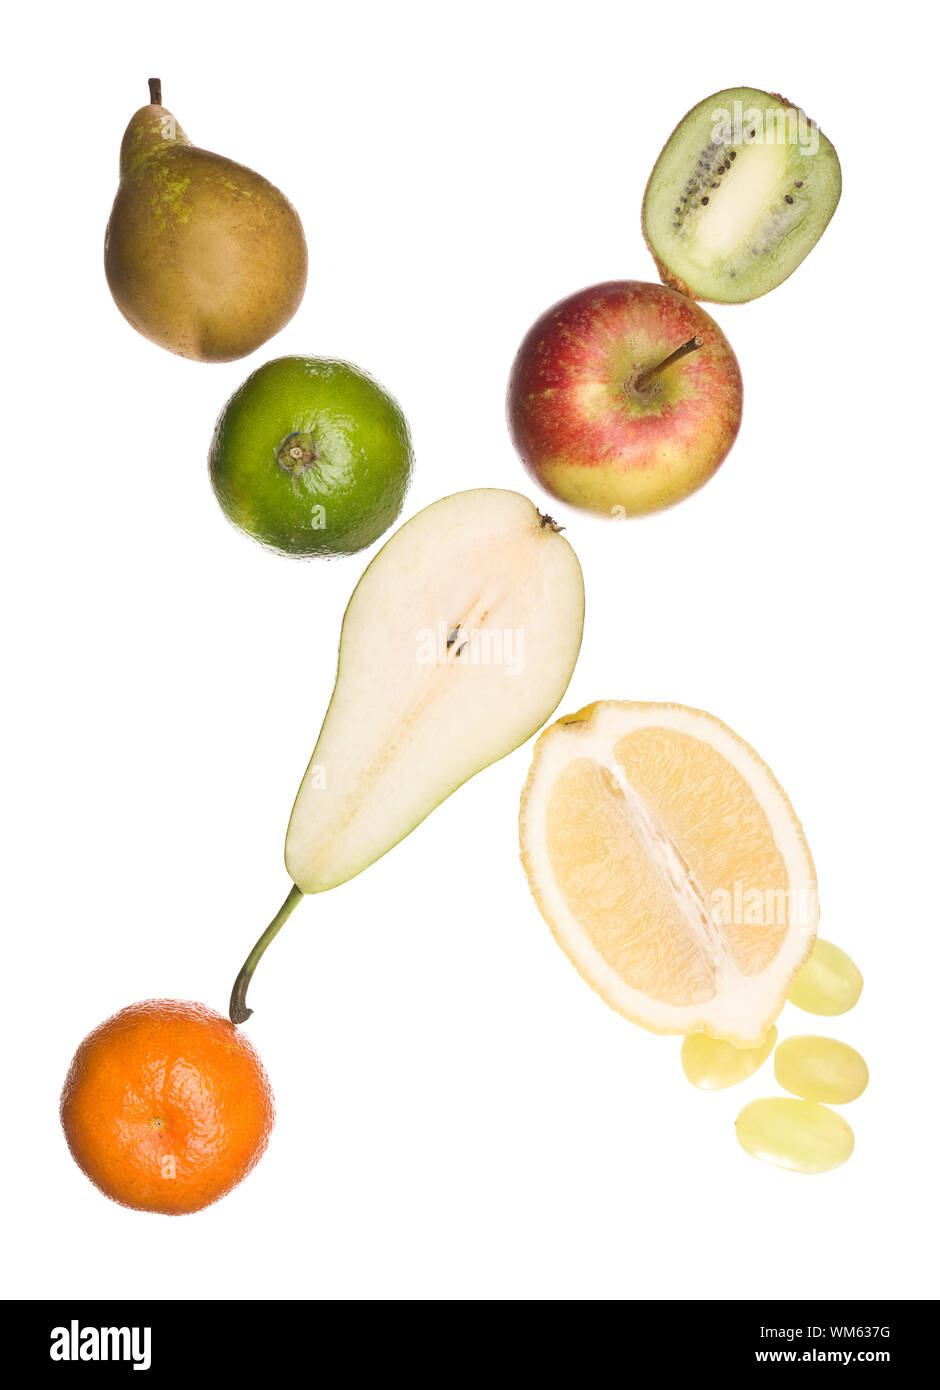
x=238, y=1010
x=691, y=346
x=156, y=91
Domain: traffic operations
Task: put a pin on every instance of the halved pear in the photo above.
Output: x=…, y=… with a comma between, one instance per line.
x=458, y=643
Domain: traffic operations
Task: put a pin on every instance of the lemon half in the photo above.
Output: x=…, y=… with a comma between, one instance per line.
x=670, y=866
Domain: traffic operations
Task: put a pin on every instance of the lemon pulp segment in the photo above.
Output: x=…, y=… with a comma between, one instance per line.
x=622, y=900
x=711, y=814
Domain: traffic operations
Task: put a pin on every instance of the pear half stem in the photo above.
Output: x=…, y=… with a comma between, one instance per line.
x=238, y=1010
x=691, y=346
x=156, y=91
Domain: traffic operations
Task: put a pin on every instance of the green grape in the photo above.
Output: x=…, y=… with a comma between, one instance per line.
x=795, y=1134
x=820, y=1069
x=712, y=1064
x=829, y=983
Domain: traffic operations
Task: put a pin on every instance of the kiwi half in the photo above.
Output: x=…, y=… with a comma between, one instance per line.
x=742, y=192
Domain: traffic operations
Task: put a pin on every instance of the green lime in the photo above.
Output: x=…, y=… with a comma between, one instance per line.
x=311, y=457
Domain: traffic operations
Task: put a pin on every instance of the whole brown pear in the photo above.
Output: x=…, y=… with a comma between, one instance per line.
x=203, y=256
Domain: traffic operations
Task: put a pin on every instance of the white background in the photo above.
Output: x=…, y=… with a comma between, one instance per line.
x=459, y=1115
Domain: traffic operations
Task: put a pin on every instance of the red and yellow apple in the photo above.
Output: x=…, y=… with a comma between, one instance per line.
x=624, y=398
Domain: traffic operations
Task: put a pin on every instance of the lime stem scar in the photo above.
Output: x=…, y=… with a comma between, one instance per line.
x=691, y=346
x=238, y=1010
x=296, y=452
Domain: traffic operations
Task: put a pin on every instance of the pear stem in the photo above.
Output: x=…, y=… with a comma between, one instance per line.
x=238, y=1010
x=156, y=91
x=691, y=346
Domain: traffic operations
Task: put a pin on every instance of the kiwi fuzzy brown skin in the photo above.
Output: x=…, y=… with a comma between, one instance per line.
x=662, y=270
x=672, y=281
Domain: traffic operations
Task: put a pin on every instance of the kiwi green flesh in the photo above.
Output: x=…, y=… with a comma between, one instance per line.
x=734, y=205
